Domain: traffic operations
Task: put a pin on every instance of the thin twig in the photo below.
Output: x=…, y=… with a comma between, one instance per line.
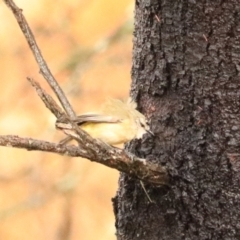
x=47, y=99
x=44, y=70
x=145, y=191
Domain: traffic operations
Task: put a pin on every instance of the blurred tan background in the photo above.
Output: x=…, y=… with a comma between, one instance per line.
x=87, y=44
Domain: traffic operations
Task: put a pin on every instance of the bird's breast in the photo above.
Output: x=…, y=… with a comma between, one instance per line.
x=111, y=133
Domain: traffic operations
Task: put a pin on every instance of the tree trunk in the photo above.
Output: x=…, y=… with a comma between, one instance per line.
x=185, y=78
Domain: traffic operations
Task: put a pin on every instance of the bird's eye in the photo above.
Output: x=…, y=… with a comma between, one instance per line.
x=142, y=124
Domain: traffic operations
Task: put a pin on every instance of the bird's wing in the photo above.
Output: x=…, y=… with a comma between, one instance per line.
x=98, y=118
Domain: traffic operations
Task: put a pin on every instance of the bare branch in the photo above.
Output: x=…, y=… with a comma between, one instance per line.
x=111, y=157
x=44, y=70
x=92, y=149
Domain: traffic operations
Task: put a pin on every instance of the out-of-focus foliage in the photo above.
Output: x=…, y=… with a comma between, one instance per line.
x=87, y=45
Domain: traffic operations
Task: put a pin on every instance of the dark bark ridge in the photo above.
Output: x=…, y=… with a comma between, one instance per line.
x=185, y=74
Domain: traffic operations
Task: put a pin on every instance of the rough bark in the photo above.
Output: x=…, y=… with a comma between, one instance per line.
x=185, y=76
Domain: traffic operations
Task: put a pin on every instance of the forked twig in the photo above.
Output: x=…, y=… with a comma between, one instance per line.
x=92, y=149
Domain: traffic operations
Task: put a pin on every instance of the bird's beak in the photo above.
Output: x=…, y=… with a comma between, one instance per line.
x=150, y=132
